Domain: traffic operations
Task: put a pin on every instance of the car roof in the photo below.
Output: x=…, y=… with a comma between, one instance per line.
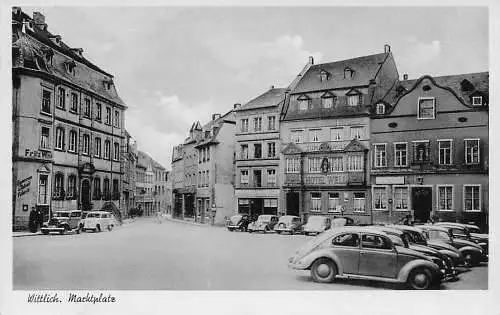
x=355, y=229
x=406, y=227
x=289, y=216
x=435, y=227
x=453, y=224
x=317, y=217
x=388, y=229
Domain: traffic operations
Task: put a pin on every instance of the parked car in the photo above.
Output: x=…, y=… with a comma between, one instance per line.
x=472, y=252
x=96, y=221
x=238, y=222
x=288, y=223
x=316, y=224
x=342, y=221
x=464, y=231
x=364, y=253
x=416, y=236
x=264, y=223
x=445, y=263
x=63, y=221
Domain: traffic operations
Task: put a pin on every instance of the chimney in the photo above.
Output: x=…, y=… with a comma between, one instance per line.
x=215, y=116
x=56, y=39
x=237, y=106
x=311, y=60
x=271, y=87
x=387, y=48
x=405, y=76
x=78, y=51
x=39, y=18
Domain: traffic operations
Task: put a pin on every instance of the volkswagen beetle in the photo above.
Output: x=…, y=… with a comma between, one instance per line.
x=264, y=223
x=288, y=223
x=238, y=222
x=316, y=224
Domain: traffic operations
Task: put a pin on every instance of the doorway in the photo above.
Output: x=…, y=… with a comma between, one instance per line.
x=292, y=203
x=86, y=206
x=422, y=203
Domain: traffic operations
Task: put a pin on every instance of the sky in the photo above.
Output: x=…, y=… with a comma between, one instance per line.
x=177, y=65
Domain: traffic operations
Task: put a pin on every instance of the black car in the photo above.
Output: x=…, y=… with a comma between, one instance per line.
x=238, y=222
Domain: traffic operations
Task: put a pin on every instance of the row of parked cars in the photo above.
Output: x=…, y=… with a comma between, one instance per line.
x=75, y=221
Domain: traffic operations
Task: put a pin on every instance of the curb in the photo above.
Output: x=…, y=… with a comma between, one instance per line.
x=189, y=223
x=26, y=235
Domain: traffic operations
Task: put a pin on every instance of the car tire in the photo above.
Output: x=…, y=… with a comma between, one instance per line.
x=230, y=229
x=266, y=229
x=98, y=228
x=110, y=227
x=77, y=230
x=420, y=279
x=279, y=232
x=323, y=270
x=469, y=259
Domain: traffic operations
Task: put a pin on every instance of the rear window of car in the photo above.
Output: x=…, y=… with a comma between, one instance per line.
x=75, y=214
x=375, y=242
x=348, y=239
x=93, y=215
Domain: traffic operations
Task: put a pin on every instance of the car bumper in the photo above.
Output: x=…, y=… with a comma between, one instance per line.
x=52, y=229
x=283, y=230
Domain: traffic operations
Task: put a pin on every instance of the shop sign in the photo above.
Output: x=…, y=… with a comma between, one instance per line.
x=23, y=186
x=390, y=180
x=330, y=179
x=38, y=154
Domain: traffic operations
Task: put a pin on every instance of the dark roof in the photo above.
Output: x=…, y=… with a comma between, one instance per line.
x=272, y=97
x=365, y=68
x=145, y=159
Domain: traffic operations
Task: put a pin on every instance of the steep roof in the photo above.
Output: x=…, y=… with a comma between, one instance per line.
x=272, y=97
x=365, y=68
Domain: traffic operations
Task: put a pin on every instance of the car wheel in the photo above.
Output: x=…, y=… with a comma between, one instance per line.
x=266, y=229
x=110, y=227
x=420, y=279
x=77, y=230
x=469, y=259
x=279, y=232
x=230, y=229
x=323, y=270
x=98, y=228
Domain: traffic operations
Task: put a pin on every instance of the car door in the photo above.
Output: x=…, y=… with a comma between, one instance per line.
x=377, y=257
x=346, y=247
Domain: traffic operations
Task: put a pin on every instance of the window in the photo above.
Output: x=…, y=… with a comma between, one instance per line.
x=271, y=177
x=380, y=109
x=303, y=104
x=244, y=177
x=73, y=141
x=380, y=155
x=257, y=124
x=46, y=95
x=315, y=202
x=472, y=198
x=401, y=198
x=445, y=198
x=270, y=205
x=314, y=164
x=353, y=100
x=106, y=189
x=107, y=149
x=471, y=151
x=42, y=189
x=44, y=138
x=445, y=149
x=74, y=102
x=355, y=163
x=97, y=152
x=59, y=138
x=116, y=151
x=61, y=98
x=292, y=165
x=421, y=151
x=59, y=186
x=336, y=134
x=257, y=178
x=71, y=186
x=359, y=202
x=400, y=154
x=375, y=242
x=115, y=188
x=297, y=136
x=86, y=144
x=271, y=123
x=98, y=114
x=327, y=102
x=117, y=119
x=379, y=198
x=314, y=135
x=333, y=202
x=349, y=240
x=244, y=125
x=108, y=115
x=86, y=109
x=357, y=133
x=257, y=150
x=271, y=149
x=97, y=188
x=336, y=163
x=426, y=108
x=477, y=100
x=244, y=151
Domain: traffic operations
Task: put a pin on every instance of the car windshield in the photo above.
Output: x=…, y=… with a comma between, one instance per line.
x=93, y=215
x=61, y=214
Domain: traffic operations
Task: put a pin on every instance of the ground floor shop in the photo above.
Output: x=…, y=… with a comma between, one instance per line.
x=257, y=201
x=431, y=197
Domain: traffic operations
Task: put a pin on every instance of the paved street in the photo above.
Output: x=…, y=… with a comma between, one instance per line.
x=175, y=256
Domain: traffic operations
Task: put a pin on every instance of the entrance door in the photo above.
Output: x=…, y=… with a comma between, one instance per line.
x=422, y=203
x=292, y=203
x=256, y=207
x=86, y=195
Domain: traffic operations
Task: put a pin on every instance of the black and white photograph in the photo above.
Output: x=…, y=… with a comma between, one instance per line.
x=268, y=152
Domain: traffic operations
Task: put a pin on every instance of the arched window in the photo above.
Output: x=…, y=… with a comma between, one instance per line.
x=59, y=138
x=72, y=186
x=58, y=186
x=116, y=151
x=97, y=188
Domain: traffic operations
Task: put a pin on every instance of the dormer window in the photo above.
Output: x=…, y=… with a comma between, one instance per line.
x=348, y=73
x=107, y=84
x=353, y=100
x=327, y=100
x=380, y=109
x=477, y=100
x=324, y=75
x=303, y=102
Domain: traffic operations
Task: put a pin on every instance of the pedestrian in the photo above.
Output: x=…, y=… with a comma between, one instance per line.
x=40, y=218
x=33, y=221
x=158, y=217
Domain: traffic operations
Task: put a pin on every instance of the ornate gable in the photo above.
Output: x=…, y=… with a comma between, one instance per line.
x=355, y=146
x=291, y=148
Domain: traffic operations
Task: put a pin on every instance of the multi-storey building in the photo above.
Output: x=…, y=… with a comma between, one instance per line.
x=129, y=164
x=325, y=130
x=67, y=126
x=257, y=154
x=177, y=180
x=215, y=171
x=430, y=150
x=161, y=193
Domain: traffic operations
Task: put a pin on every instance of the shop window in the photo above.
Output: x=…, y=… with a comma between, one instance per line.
x=471, y=151
x=379, y=198
x=359, y=202
x=400, y=198
x=270, y=206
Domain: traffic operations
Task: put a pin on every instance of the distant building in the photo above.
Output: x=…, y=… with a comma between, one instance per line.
x=257, y=151
x=68, y=126
x=129, y=174
x=151, y=185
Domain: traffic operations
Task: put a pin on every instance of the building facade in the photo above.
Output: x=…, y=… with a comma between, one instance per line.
x=177, y=180
x=129, y=164
x=430, y=151
x=325, y=134
x=68, y=130
x=257, y=151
